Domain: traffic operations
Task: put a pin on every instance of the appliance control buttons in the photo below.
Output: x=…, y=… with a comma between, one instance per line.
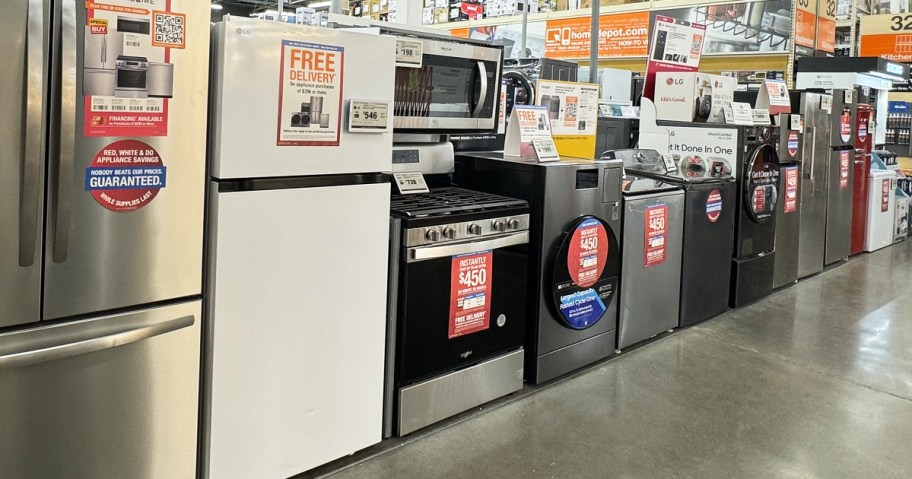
x=474, y=229
x=513, y=223
x=432, y=235
x=499, y=226
x=449, y=233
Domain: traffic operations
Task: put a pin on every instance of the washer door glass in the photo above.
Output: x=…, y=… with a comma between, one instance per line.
x=584, y=272
x=761, y=183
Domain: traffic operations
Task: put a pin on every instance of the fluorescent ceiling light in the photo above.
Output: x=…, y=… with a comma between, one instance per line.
x=216, y=6
x=319, y=4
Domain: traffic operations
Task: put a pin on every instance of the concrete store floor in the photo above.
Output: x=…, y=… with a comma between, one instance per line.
x=815, y=381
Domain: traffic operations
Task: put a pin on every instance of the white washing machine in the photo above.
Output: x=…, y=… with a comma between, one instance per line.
x=881, y=208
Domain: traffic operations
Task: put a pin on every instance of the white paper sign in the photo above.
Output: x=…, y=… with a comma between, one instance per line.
x=669, y=160
x=368, y=116
x=545, y=150
x=826, y=103
x=630, y=112
x=409, y=53
x=526, y=124
x=774, y=97
x=310, y=94
x=796, y=123
x=572, y=107
x=741, y=114
x=760, y=116
x=699, y=149
x=411, y=182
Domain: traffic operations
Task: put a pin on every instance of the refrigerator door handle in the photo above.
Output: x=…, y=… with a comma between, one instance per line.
x=40, y=346
x=31, y=157
x=67, y=154
x=810, y=170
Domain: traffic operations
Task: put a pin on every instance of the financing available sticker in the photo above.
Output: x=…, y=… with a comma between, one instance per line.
x=125, y=175
x=310, y=94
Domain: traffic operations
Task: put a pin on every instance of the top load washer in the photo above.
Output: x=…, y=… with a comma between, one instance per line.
x=574, y=253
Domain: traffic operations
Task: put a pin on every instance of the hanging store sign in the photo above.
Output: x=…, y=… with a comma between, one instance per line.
x=806, y=23
x=310, y=94
x=888, y=36
x=677, y=45
x=620, y=35
x=826, y=25
x=470, y=293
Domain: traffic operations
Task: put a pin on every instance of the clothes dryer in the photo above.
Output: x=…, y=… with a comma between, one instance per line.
x=574, y=253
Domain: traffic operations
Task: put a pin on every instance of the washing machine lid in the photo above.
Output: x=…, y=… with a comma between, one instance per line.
x=585, y=269
x=688, y=168
x=761, y=183
x=634, y=185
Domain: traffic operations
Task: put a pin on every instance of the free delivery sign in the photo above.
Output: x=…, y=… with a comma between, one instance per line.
x=310, y=94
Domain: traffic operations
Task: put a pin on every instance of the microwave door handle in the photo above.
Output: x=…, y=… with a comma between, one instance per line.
x=67, y=132
x=483, y=96
x=29, y=188
x=445, y=251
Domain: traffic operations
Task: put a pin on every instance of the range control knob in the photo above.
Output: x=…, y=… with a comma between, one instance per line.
x=432, y=235
x=499, y=226
x=474, y=229
x=513, y=223
x=449, y=233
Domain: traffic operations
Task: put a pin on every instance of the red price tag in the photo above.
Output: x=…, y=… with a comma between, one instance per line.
x=470, y=293
x=656, y=235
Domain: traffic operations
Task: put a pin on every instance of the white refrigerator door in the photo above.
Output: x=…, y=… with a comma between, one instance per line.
x=247, y=72
x=298, y=321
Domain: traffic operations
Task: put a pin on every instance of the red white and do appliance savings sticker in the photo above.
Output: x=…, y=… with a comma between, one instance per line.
x=791, y=190
x=656, y=235
x=470, y=293
x=714, y=206
x=588, y=253
x=125, y=175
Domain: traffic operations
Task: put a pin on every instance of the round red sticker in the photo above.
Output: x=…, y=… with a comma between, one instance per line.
x=125, y=175
x=588, y=253
x=793, y=143
x=714, y=206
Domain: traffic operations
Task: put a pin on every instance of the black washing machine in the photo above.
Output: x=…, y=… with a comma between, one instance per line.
x=753, y=261
x=710, y=197
x=574, y=253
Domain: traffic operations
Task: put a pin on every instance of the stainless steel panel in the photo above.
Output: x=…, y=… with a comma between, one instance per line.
x=813, y=187
x=452, y=249
x=22, y=92
x=425, y=403
x=100, y=259
x=417, y=236
x=128, y=409
x=650, y=296
x=839, y=210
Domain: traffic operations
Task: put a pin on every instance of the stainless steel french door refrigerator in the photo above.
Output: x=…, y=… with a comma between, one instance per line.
x=101, y=219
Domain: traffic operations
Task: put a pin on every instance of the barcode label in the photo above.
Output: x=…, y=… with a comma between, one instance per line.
x=132, y=44
x=136, y=108
x=119, y=107
x=154, y=108
x=101, y=107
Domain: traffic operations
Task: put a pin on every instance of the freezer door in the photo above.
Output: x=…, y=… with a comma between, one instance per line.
x=101, y=256
x=298, y=327
x=813, y=187
x=840, y=183
x=246, y=110
x=22, y=93
x=108, y=398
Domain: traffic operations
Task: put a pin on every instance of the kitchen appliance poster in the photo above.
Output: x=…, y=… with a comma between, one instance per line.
x=844, y=162
x=470, y=293
x=128, y=73
x=655, y=235
x=791, y=190
x=676, y=46
x=125, y=175
x=573, y=110
x=310, y=94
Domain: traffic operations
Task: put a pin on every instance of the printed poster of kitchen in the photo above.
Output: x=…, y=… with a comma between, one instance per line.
x=310, y=94
x=573, y=111
x=128, y=68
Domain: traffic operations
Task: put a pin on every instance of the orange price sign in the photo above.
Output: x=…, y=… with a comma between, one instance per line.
x=806, y=23
x=620, y=35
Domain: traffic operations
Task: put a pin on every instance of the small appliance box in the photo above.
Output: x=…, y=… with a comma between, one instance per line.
x=692, y=96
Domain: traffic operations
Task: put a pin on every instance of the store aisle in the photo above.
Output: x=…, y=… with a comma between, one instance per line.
x=815, y=381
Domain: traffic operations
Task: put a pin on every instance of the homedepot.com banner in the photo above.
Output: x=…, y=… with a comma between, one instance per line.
x=620, y=35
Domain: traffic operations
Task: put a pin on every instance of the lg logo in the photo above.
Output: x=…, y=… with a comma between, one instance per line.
x=669, y=81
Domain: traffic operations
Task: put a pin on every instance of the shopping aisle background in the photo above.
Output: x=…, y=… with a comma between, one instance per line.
x=813, y=381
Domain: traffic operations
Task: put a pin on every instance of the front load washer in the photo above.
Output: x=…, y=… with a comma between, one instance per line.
x=574, y=253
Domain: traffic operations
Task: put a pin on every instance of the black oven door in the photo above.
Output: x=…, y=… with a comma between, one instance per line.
x=460, y=305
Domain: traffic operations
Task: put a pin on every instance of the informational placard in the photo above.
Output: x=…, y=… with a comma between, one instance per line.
x=127, y=66
x=796, y=122
x=588, y=253
x=409, y=53
x=368, y=116
x=774, y=96
x=545, y=149
x=760, y=116
x=410, y=182
x=714, y=206
x=669, y=160
x=126, y=175
x=655, y=235
x=620, y=35
x=741, y=114
x=844, y=161
x=791, y=189
x=573, y=110
x=677, y=45
x=526, y=123
x=310, y=94
x=888, y=36
x=470, y=293
x=580, y=287
x=806, y=23
x=885, y=195
x=699, y=148
x=826, y=25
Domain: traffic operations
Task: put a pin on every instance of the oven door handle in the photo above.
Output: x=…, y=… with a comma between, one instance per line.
x=425, y=253
x=483, y=92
